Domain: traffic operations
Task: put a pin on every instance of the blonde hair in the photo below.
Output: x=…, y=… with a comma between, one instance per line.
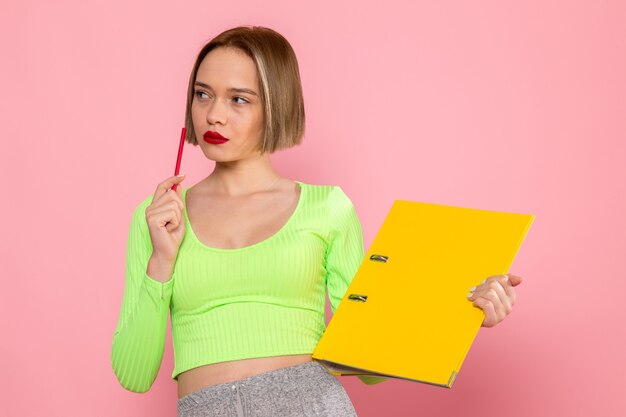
x=279, y=79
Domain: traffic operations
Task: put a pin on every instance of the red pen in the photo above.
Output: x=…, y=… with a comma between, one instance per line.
x=180, y=155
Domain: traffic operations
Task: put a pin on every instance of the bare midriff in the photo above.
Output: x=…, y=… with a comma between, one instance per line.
x=219, y=373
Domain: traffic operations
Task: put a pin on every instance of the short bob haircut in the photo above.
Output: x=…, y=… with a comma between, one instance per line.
x=280, y=85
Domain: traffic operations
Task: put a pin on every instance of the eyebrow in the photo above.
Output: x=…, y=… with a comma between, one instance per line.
x=237, y=90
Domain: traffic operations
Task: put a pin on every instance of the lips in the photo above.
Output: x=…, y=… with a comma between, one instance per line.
x=209, y=134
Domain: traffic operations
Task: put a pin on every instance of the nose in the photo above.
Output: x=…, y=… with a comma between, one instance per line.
x=217, y=112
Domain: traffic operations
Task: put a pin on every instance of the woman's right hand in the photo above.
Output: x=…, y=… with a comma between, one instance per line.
x=165, y=220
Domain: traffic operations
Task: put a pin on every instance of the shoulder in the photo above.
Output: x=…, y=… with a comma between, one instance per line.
x=144, y=203
x=330, y=193
x=333, y=201
x=139, y=212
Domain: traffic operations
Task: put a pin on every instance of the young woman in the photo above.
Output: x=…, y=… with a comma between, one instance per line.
x=243, y=258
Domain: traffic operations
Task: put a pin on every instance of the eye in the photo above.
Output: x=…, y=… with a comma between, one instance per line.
x=197, y=93
x=244, y=100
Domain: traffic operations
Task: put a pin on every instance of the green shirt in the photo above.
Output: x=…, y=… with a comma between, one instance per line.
x=266, y=299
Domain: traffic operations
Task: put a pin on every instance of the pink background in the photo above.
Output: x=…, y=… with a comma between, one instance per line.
x=502, y=105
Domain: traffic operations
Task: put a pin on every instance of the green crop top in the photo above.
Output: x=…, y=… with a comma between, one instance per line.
x=266, y=299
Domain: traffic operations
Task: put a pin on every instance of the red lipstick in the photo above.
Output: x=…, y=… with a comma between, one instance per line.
x=214, y=138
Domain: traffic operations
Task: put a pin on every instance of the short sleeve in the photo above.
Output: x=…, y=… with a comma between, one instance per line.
x=139, y=338
x=345, y=249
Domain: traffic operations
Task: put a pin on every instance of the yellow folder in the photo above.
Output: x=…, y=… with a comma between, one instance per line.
x=406, y=314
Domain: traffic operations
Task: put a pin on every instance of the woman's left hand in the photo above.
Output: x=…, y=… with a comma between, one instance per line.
x=495, y=296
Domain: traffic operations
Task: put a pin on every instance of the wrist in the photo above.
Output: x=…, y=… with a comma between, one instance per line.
x=160, y=269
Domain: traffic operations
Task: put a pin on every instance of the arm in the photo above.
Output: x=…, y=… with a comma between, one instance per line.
x=139, y=338
x=344, y=255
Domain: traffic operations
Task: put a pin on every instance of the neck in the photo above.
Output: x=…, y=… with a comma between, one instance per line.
x=242, y=177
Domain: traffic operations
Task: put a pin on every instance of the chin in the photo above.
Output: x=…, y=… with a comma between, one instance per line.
x=215, y=157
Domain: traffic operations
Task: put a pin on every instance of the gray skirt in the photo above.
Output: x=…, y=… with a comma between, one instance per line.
x=306, y=389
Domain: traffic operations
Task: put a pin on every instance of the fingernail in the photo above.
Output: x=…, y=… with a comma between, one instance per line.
x=473, y=289
x=180, y=175
x=483, y=281
x=470, y=295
